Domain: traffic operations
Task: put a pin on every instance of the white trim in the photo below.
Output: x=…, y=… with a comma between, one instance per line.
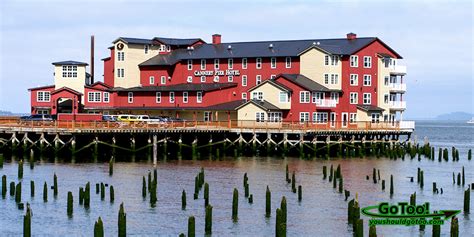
x=130, y=97
x=244, y=80
x=230, y=63
x=258, y=63
x=356, y=79
x=216, y=63
x=151, y=80
x=288, y=62
x=356, y=99
x=163, y=80
x=43, y=94
x=199, y=97
x=369, y=98
x=203, y=64
x=172, y=98
x=273, y=62
x=244, y=63
x=367, y=62
x=344, y=123
x=158, y=97
x=108, y=97
x=185, y=97
x=370, y=80
x=190, y=64
x=354, y=61
x=94, y=97
x=305, y=97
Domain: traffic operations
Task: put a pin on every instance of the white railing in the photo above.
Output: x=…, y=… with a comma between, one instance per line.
x=407, y=125
x=398, y=86
x=326, y=103
x=398, y=69
x=398, y=104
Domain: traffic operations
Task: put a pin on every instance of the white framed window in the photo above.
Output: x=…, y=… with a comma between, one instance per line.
x=257, y=95
x=244, y=96
x=190, y=79
x=152, y=80
x=42, y=111
x=185, y=97
x=354, y=61
x=130, y=97
x=146, y=48
x=304, y=117
x=230, y=63
x=260, y=117
x=273, y=76
x=216, y=63
x=207, y=116
x=69, y=71
x=304, y=97
x=244, y=80
x=203, y=64
x=326, y=60
x=273, y=62
x=317, y=97
x=168, y=48
x=230, y=78
x=386, y=81
x=367, y=80
x=335, y=97
x=172, y=97
x=353, y=98
x=163, y=80
x=352, y=118
x=258, y=63
x=326, y=79
x=288, y=62
x=199, y=97
x=274, y=117
x=375, y=117
x=367, y=62
x=367, y=98
x=106, y=97
x=94, y=97
x=283, y=97
x=158, y=97
x=334, y=60
x=332, y=119
x=203, y=78
x=334, y=79
x=385, y=98
x=190, y=64
x=120, y=56
x=162, y=48
x=258, y=79
x=43, y=96
x=320, y=117
x=216, y=78
x=354, y=79
x=120, y=72
x=244, y=63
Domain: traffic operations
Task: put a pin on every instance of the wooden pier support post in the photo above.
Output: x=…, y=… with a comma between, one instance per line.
x=180, y=147
x=285, y=144
x=155, y=150
x=194, y=148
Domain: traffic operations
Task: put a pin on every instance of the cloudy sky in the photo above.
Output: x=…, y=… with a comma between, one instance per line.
x=434, y=37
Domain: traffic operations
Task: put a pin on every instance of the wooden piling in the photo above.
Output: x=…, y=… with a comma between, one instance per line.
x=208, y=220
x=206, y=194
x=55, y=185
x=436, y=229
x=293, y=182
x=112, y=194
x=324, y=172
x=102, y=191
x=191, y=227
x=391, y=185
x=4, y=186
x=374, y=176
x=268, y=202
x=20, y=169
x=422, y=183
x=99, y=228
x=300, y=193
x=469, y=154
x=27, y=223
x=111, y=166
x=45, y=192
x=467, y=200
x=284, y=212
x=463, y=177
x=350, y=211
x=12, y=189
x=144, y=187
x=87, y=195
x=81, y=195
x=69, y=204
x=372, y=231
x=18, y=193
x=235, y=205
x=341, y=185
x=122, y=222
x=454, y=227
x=183, y=200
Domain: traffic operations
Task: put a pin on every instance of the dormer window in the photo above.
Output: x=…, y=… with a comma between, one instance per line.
x=168, y=48
x=162, y=48
x=69, y=71
x=147, y=47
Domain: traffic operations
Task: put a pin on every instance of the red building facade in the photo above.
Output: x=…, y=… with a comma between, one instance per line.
x=322, y=81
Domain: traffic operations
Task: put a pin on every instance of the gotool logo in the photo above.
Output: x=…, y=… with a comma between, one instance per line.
x=405, y=214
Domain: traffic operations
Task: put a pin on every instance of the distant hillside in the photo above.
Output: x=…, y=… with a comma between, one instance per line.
x=455, y=116
x=5, y=113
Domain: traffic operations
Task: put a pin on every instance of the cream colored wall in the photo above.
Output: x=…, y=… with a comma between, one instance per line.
x=382, y=89
x=272, y=95
x=312, y=66
x=248, y=112
x=75, y=83
x=363, y=116
x=134, y=55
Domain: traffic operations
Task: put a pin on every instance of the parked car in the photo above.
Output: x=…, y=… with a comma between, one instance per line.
x=37, y=119
x=111, y=118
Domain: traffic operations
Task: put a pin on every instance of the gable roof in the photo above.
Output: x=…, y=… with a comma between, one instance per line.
x=304, y=82
x=163, y=40
x=274, y=83
x=92, y=86
x=263, y=104
x=70, y=62
x=179, y=87
x=232, y=105
x=66, y=89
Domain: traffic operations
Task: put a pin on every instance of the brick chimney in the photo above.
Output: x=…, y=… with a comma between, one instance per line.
x=216, y=39
x=351, y=36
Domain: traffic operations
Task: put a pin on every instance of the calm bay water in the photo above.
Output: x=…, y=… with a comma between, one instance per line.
x=322, y=212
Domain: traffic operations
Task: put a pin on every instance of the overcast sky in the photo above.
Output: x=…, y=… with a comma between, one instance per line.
x=434, y=37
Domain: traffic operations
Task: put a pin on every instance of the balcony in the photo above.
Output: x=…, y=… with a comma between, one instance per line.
x=398, y=70
x=326, y=103
x=398, y=105
x=397, y=87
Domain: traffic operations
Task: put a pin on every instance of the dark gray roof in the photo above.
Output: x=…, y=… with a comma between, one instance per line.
x=370, y=108
x=304, y=82
x=163, y=59
x=282, y=48
x=263, y=104
x=177, y=42
x=134, y=40
x=179, y=87
x=70, y=62
x=274, y=83
x=232, y=105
